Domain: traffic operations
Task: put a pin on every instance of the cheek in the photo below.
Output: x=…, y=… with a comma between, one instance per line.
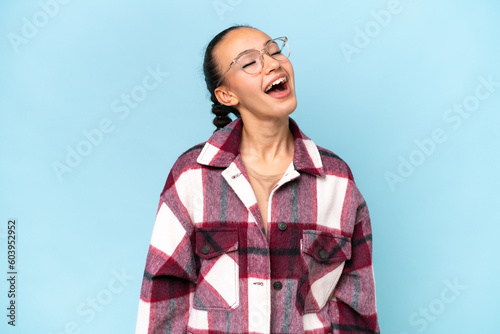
x=248, y=85
x=289, y=69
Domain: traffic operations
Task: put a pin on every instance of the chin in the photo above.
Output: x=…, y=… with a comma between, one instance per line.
x=291, y=107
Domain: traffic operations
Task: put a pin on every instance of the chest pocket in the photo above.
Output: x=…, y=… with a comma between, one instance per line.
x=218, y=281
x=323, y=257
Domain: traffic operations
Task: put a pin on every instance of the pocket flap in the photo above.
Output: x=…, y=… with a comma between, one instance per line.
x=213, y=242
x=326, y=247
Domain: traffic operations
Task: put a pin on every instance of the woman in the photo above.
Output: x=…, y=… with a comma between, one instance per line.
x=258, y=229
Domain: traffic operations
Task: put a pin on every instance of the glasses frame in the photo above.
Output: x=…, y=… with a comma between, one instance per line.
x=261, y=53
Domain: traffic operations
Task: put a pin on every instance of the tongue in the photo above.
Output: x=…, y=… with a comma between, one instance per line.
x=277, y=89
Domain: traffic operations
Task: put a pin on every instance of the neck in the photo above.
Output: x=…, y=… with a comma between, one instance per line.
x=266, y=140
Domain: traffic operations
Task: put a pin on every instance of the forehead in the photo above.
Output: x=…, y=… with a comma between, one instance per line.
x=238, y=41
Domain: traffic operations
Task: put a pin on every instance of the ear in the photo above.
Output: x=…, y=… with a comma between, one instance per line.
x=225, y=96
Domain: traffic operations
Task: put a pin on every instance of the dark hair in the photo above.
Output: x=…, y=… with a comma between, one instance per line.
x=212, y=76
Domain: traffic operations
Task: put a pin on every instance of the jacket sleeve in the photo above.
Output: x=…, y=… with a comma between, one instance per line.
x=354, y=296
x=170, y=274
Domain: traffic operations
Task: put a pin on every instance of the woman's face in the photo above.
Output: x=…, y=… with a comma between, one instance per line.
x=248, y=92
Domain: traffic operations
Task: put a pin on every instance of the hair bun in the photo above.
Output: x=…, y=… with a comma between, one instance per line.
x=221, y=115
x=220, y=109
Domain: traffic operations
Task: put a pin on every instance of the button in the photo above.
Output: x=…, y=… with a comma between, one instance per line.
x=282, y=226
x=322, y=254
x=205, y=249
x=277, y=285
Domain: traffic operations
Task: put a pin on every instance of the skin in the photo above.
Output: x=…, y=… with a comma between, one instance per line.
x=267, y=144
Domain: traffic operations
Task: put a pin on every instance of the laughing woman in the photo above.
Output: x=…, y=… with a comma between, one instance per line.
x=258, y=230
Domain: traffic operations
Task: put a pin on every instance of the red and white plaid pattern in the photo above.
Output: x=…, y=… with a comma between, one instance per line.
x=212, y=270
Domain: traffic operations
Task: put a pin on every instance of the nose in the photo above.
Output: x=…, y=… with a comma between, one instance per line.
x=269, y=63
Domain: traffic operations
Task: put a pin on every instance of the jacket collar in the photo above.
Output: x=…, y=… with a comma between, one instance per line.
x=223, y=148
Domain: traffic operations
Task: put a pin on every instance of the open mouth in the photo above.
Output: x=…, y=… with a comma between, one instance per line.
x=279, y=85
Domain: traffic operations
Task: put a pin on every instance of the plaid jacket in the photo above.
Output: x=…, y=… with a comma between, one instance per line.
x=211, y=269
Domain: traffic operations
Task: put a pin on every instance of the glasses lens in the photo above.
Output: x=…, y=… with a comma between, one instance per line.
x=250, y=62
x=278, y=49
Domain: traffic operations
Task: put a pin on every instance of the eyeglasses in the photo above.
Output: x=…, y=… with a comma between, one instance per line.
x=252, y=61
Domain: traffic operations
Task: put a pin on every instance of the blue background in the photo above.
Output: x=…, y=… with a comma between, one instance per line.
x=435, y=226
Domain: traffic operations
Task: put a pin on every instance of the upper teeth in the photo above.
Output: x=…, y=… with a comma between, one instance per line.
x=277, y=82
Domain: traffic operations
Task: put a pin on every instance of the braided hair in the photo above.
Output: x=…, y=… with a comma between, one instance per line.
x=212, y=76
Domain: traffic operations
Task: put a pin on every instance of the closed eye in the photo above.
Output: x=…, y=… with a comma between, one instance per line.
x=249, y=64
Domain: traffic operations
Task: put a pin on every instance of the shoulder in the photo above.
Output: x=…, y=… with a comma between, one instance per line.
x=335, y=168
x=185, y=162
x=333, y=164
